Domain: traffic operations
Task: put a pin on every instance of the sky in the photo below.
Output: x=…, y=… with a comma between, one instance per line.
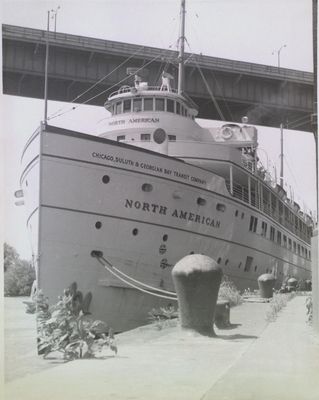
x=246, y=30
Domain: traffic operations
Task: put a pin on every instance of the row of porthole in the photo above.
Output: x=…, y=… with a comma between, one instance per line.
x=237, y=213
x=98, y=225
x=219, y=260
x=147, y=187
x=240, y=264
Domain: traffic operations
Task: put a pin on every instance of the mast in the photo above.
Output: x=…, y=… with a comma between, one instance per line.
x=281, y=155
x=181, y=49
x=46, y=72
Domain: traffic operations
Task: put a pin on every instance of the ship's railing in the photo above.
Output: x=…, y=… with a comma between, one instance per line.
x=128, y=89
x=241, y=192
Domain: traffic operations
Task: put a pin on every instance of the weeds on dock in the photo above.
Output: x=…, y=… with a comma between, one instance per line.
x=163, y=317
x=277, y=303
x=68, y=328
x=309, y=307
x=229, y=292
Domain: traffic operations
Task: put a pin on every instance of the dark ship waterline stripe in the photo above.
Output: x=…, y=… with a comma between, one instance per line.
x=229, y=198
x=173, y=228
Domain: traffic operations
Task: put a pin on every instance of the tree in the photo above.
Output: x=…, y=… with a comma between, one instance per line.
x=18, y=274
x=11, y=257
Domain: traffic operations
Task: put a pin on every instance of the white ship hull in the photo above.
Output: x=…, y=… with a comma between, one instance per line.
x=72, y=210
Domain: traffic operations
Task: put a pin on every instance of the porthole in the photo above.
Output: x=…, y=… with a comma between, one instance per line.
x=135, y=231
x=98, y=225
x=236, y=213
x=106, y=179
x=220, y=207
x=227, y=261
x=219, y=260
x=255, y=268
x=147, y=187
x=177, y=195
x=201, y=201
x=165, y=237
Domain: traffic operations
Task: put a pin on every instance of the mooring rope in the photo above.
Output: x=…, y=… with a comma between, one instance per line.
x=111, y=268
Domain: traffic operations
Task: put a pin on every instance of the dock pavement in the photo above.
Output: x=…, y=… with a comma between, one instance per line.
x=252, y=360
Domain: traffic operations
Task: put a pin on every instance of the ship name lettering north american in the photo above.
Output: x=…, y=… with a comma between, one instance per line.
x=180, y=214
x=134, y=121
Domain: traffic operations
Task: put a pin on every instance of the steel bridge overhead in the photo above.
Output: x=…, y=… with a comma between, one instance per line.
x=266, y=94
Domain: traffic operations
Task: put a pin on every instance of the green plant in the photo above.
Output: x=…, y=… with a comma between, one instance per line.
x=309, y=307
x=229, y=292
x=163, y=317
x=278, y=302
x=68, y=328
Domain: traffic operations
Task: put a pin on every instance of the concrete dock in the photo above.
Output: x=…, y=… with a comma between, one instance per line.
x=251, y=360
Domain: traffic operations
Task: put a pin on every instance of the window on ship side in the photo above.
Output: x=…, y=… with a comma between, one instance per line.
x=279, y=238
x=289, y=244
x=264, y=229
x=272, y=234
x=253, y=223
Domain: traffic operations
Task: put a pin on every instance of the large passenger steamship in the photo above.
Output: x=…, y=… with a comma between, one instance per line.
x=153, y=187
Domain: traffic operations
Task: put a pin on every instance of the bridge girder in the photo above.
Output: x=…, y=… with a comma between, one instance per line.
x=268, y=96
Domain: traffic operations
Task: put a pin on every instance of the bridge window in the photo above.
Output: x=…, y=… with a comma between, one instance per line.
x=279, y=237
x=285, y=241
x=172, y=138
x=127, y=106
x=299, y=249
x=120, y=138
x=170, y=105
x=178, y=108
x=272, y=233
x=137, y=105
x=148, y=104
x=159, y=104
x=118, y=108
x=146, y=137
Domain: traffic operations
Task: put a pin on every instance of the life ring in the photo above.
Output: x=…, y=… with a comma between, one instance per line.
x=227, y=132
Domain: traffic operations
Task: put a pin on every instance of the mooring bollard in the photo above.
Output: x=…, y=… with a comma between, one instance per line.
x=308, y=285
x=292, y=284
x=197, y=279
x=266, y=284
